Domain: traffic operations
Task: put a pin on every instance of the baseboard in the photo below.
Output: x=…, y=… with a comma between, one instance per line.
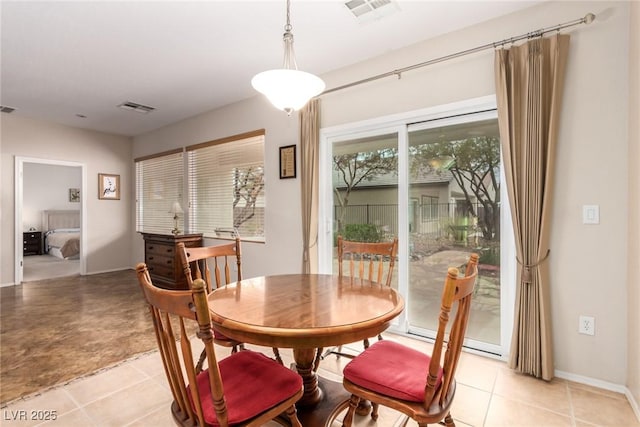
x=108, y=271
x=4, y=285
x=606, y=385
x=633, y=402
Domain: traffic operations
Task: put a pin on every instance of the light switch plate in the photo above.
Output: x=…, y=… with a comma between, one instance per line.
x=591, y=214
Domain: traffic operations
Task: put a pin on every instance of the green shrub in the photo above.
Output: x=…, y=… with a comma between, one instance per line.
x=490, y=256
x=362, y=233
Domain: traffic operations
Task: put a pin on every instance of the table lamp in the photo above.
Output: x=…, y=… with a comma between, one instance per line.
x=175, y=210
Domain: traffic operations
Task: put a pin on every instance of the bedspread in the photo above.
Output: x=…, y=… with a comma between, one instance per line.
x=68, y=243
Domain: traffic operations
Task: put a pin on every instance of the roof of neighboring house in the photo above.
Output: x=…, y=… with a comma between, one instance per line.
x=391, y=179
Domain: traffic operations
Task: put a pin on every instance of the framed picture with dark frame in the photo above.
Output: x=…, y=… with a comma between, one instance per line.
x=108, y=186
x=288, y=161
x=74, y=195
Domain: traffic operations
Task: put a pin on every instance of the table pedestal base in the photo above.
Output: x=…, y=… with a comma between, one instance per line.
x=333, y=398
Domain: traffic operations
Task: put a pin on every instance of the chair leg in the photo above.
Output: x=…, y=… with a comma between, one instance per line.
x=316, y=362
x=348, y=417
x=293, y=418
x=374, y=411
x=203, y=356
x=448, y=420
x=276, y=353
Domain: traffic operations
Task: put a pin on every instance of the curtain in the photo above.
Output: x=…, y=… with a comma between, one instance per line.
x=309, y=146
x=529, y=83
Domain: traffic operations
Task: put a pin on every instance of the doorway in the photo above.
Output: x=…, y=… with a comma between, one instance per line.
x=43, y=186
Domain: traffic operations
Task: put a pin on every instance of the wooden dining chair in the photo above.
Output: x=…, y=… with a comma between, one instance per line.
x=197, y=263
x=365, y=261
x=399, y=377
x=244, y=389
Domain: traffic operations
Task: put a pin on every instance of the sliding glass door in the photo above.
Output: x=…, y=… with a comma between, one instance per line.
x=433, y=181
x=454, y=166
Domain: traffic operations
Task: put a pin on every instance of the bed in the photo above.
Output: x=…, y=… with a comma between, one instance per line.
x=62, y=233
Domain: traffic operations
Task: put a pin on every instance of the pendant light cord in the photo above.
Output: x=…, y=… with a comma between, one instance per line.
x=587, y=19
x=289, y=62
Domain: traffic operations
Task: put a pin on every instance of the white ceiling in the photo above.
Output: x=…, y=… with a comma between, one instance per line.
x=60, y=59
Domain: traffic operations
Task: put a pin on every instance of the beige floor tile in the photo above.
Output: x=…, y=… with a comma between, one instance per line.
x=602, y=410
x=552, y=395
x=506, y=412
x=470, y=405
x=97, y=386
x=31, y=411
x=128, y=405
x=74, y=418
x=478, y=372
x=150, y=364
x=160, y=417
x=577, y=386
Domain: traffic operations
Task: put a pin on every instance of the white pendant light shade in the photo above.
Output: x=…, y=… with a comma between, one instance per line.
x=288, y=89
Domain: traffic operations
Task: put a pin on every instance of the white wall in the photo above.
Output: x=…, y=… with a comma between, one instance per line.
x=108, y=221
x=633, y=302
x=586, y=261
x=47, y=187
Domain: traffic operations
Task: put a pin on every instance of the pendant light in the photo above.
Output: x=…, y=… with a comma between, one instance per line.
x=288, y=88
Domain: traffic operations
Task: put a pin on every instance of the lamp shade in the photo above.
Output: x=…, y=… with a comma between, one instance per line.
x=288, y=89
x=176, y=208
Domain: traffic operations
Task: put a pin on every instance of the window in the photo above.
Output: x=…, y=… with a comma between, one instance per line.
x=159, y=184
x=226, y=187
x=429, y=208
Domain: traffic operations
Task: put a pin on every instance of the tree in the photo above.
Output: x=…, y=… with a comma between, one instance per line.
x=475, y=165
x=248, y=184
x=354, y=168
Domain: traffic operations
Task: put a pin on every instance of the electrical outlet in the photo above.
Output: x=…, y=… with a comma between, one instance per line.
x=587, y=325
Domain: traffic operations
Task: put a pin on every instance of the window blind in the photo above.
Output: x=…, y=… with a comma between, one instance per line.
x=226, y=187
x=159, y=183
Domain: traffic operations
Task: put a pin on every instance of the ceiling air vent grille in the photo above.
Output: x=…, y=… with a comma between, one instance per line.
x=138, y=108
x=368, y=10
x=5, y=109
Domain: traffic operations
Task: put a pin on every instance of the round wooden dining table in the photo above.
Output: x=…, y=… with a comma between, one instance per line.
x=305, y=312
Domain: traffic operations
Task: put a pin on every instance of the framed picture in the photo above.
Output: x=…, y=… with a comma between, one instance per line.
x=108, y=186
x=74, y=195
x=288, y=161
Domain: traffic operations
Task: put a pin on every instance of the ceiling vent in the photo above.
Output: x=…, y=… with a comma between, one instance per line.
x=369, y=10
x=6, y=109
x=138, y=108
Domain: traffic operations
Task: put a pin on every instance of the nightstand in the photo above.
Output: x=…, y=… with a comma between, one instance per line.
x=32, y=243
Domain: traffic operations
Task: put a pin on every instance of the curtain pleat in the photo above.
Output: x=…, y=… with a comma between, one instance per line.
x=529, y=84
x=309, y=147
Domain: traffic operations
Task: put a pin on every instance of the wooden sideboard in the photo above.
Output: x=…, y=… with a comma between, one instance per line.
x=162, y=259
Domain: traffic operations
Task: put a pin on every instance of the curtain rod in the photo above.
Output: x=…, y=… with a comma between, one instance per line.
x=588, y=19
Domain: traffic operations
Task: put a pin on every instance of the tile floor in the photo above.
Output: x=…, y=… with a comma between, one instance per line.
x=135, y=393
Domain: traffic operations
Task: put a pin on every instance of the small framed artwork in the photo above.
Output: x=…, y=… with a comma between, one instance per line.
x=74, y=195
x=108, y=186
x=288, y=161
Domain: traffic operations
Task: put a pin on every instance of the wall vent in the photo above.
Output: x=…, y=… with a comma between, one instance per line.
x=369, y=10
x=138, y=108
x=5, y=109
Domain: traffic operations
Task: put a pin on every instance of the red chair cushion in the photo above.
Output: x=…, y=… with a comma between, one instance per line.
x=252, y=384
x=391, y=369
